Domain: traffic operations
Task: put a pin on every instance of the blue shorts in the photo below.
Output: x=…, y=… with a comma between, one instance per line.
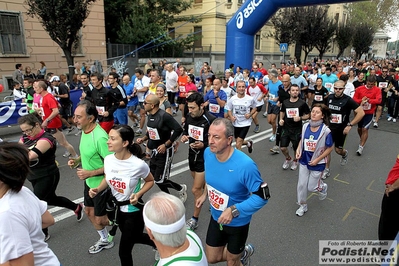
x=366, y=121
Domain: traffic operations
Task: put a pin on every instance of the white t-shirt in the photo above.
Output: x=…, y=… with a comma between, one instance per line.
x=21, y=228
x=256, y=93
x=141, y=83
x=239, y=107
x=194, y=255
x=349, y=89
x=312, y=81
x=124, y=177
x=229, y=91
x=171, y=81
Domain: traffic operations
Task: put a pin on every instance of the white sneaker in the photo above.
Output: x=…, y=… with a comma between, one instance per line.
x=183, y=193
x=287, y=164
x=389, y=118
x=394, y=120
x=273, y=138
x=66, y=154
x=294, y=165
x=323, y=193
x=302, y=209
x=265, y=114
x=100, y=245
x=359, y=151
x=375, y=125
x=326, y=173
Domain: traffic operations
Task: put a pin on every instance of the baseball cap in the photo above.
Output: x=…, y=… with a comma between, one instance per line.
x=227, y=70
x=54, y=78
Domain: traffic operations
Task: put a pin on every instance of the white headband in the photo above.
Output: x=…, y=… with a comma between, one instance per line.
x=164, y=229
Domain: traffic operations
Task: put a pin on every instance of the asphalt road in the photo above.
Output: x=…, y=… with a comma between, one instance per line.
x=350, y=212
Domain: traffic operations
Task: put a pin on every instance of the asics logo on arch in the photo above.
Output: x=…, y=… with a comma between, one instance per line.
x=252, y=5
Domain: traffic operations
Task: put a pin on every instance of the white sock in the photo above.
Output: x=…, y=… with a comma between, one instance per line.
x=103, y=234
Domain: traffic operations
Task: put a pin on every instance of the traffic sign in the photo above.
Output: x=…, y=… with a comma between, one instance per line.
x=283, y=47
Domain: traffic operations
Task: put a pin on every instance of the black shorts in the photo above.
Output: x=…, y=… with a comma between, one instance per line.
x=52, y=131
x=273, y=109
x=99, y=202
x=158, y=164
x=66, y=111
x=241, y=132
x=338, y=137
x=258, y=108
x=181, y=100
x=196, y=164
x=234, y=237
x=290, y=135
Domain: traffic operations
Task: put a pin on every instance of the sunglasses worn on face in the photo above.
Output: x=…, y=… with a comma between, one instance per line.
x=337, y=88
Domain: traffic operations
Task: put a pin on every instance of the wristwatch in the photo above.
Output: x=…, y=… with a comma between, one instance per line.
x=234, y=211
x=349, y=125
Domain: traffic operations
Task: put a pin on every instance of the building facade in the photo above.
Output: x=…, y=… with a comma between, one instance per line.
x=24, y=41
x=212, y=32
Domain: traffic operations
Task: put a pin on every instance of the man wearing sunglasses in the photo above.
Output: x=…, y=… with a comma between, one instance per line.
x=385, y=83
x=341, y=106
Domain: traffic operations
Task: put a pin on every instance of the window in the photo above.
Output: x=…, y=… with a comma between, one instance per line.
x=11, y=33
x=198, y=36
x=257, y=41
x=172, y=33
x=197, y=1
x=239, y=2
x=77, y=47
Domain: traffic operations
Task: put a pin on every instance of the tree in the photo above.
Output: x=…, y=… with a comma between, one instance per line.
x=62, y=19
x=323, y=40
x=343, y=37
x=378, y=14
x=363, y=35
x=154, y=18
x=284, y=26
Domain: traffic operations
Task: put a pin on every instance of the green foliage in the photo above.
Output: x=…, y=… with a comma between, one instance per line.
x=284, y=26
x=378, y=14
x=363, y=35
x=343, y=38
x=327, y=29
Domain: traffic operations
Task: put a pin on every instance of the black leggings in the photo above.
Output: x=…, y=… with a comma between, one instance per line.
x=44, y=188
x=388, y=226
x=132, y=226
x=171, y=98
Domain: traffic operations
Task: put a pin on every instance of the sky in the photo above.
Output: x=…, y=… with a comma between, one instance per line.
x=393, y=35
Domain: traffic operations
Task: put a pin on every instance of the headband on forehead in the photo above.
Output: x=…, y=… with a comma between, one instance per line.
x=164, y=229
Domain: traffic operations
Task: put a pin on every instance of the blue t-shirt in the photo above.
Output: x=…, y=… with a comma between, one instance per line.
x=329, y=79
x=237, y=178
x=273, y=90
x=306, y=156
x=129, y=91
x=256, y=75
x=213, y=103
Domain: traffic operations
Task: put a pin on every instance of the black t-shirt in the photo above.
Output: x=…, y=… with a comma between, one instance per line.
x=381, y=80
x=358, y=83
x=340, y=110
x=323, y=92
x=63, y=89
x=283, y=94
x=293, y=109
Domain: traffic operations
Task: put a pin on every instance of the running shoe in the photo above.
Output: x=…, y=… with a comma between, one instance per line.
x=287, y=164
x=359, y=151
x=192, y=224
x=79, y=132
x=326, y=173
x=100, y=245
x=138, y=132
x=344, y=159
x=250, y=146
x=257, y=129
x=135, y=124
x=375, y=125
x=79, y=212
x=294, y=165
x=275, y=150
x=323, y=192
x=70, y=130
x=302, y=209
x=246, y=256
x=394, y=120
x=265, y=114
x=273, y=138
x=46, y=237
x=66, y=154
x=390, y=118
x=183, y=193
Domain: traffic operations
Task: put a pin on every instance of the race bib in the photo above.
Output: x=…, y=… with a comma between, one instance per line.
x=292, y=112
x=329, y=86
x=366, y=106
x=272, y=96
x=310, y=144
x=217, y=199
x=196, y=133
x=100, y=110
x=389, y=94
x=120, y=183
x=318, y=98
x=214, y=108
x=153, y=133
x=336, y=118
x=182, y=89
x=383, y=85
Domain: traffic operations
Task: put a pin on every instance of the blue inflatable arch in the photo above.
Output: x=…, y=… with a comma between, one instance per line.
x=249, y=19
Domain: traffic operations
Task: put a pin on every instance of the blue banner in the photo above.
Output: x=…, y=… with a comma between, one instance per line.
x=12, y=110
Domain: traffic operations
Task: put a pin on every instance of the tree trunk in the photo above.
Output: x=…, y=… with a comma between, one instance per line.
x=70, y=63
x=340, y=53
x=321, y=55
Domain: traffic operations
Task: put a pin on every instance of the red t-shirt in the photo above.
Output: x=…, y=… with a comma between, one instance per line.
x=374, y=95
x=182, y=81
x=47, y=104
x=393, y=174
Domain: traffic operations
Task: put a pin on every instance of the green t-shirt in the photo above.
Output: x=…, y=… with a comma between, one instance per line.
x=93, y=149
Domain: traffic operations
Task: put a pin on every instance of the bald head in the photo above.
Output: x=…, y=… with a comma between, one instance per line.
x=152, y=99
x=339, y=84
